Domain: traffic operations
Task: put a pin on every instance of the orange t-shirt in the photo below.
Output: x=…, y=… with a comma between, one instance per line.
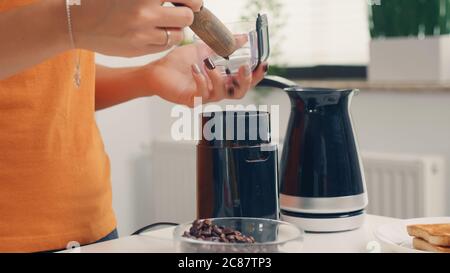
x=54, y=172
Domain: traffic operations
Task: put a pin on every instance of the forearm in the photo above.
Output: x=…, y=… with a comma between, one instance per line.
x=117, y=85
x=32, y=34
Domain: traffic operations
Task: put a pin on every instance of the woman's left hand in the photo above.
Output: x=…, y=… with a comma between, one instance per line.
x=178, y=78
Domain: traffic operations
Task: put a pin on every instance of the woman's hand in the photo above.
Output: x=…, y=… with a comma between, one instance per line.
x=132, y=27
x=177, y=78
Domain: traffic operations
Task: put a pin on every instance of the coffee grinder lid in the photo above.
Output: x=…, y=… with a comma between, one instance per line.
x=235, y=128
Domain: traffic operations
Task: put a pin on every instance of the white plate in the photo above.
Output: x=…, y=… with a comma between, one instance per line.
x=394, y=237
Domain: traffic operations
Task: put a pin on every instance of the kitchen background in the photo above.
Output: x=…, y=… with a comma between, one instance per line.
x=403, y=129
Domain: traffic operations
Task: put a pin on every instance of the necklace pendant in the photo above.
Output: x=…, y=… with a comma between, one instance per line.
x=77, y=77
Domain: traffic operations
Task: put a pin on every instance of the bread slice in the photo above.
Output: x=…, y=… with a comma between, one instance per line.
x=435, y=234
x=425, y=246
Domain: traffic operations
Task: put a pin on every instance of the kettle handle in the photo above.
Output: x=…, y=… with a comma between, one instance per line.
x=276, y=82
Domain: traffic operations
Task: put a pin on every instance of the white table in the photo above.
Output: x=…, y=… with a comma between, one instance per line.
x=161, y=240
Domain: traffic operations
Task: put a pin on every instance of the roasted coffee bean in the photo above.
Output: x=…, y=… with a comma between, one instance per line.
x=197, y=223
x=193, y=231
x=217, y=230
x=231, y=237
x=228, y=231
x=207, y=232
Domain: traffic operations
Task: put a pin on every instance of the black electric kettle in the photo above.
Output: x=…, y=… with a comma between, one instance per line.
x=322, y=187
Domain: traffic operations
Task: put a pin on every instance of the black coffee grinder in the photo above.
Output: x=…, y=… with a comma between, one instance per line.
x=237, y=166
x=322, y=186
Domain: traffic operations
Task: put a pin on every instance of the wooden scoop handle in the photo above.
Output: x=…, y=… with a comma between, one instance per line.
x=213, y=32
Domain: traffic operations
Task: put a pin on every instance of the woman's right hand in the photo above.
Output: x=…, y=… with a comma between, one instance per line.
x=132, y=27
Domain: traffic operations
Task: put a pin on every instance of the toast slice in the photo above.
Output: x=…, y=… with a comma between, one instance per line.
x=425, y=246
x=435, y=234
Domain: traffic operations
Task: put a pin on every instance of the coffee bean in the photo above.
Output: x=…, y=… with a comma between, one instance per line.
x=193, y=231
x=217, y=230
x=207, y=232
x=228, y=231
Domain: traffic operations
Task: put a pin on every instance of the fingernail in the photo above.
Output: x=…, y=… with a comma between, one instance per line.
x=209, y=64
x=266, y=67
x=235, y=82
x=196, y=69
x=227, y=71
x=247, y=70
x=230, y=91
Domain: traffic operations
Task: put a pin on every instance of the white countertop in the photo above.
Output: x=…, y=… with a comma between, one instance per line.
x=360, y=240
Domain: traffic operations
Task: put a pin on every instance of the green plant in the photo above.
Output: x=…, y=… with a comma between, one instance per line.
x=409, y=18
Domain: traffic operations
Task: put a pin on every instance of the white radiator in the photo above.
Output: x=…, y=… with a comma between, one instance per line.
x=402, y=186
x=405, y=186
x=173, y=181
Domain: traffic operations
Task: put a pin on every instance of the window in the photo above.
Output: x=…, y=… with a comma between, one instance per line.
x=315, y=32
